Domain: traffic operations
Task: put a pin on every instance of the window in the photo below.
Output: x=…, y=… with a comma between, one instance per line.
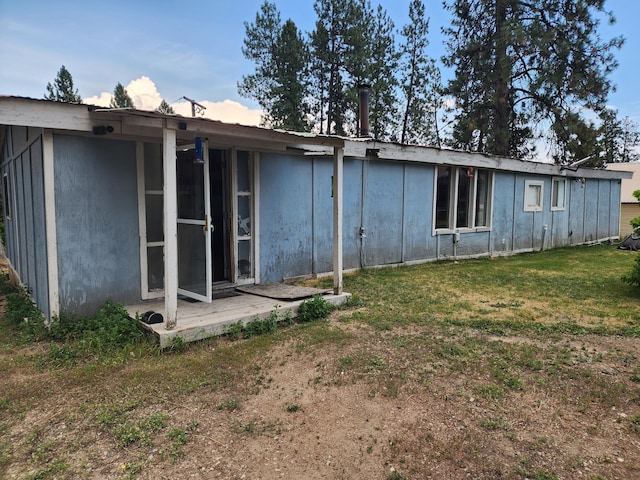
x=533, y=195
x=558, y=193
x=463, y=197
x=244, y=166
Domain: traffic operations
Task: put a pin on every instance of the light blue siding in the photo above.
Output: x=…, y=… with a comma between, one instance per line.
x=322, y=215
x=590, y=212
x=393, y=202
x=286, y=226
x=383, y=212
x=352, y=211
x=25, y=230
x=418, y=212
x=504, y=203
x=97, y=222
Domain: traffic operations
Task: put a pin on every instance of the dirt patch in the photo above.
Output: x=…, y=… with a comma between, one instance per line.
x=418, y=403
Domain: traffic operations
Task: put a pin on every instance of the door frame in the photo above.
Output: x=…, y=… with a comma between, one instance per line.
x=205, y=223
x=232, y=194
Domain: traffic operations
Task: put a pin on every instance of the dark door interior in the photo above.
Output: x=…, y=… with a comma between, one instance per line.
x=218, y=174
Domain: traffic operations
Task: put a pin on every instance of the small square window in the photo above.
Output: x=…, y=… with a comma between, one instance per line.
x=558, y=193
x=533, y=195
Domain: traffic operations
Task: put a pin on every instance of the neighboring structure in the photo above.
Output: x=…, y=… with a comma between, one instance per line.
x=131, y=205
x=629, y=208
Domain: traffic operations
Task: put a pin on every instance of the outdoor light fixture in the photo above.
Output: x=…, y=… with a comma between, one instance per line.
x=198, y=156
x=102, y=129
x=372, y=152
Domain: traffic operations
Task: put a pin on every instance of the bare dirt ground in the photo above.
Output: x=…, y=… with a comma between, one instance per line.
x=408, y=404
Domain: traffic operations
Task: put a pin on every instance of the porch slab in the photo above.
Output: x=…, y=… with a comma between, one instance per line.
x=200, y=320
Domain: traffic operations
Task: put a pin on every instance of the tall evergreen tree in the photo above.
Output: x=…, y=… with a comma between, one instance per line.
x=521, y=62
x=330, y=49
x=382, y=75
x=630, y=141
x=165, y=108
x=419, y=81
x=261, y=38
x=290, y=88
x=62, y=88
x=617, y=139
x=121, y=98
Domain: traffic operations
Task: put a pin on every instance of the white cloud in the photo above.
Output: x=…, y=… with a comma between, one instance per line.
x=144, y=93
x=226, y=111
x=101, y=100
x=145, y=96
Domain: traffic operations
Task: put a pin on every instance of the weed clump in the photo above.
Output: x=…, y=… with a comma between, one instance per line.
x=110, y=332
x=111, y=328
x=315, y=309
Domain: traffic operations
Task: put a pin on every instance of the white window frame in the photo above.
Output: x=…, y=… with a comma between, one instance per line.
x=253, y=194
x=529, y=186
x=559, y=202
x=146, y=292
x=453, y=201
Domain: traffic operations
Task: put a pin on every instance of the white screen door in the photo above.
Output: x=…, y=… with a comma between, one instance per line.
x=194, y=225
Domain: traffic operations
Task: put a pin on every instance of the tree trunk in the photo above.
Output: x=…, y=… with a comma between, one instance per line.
x=502, y=73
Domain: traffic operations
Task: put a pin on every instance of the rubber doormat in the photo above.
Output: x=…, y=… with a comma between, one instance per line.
x=282, y=291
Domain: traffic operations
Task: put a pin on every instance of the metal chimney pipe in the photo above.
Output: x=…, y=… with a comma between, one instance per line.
x=363, y=91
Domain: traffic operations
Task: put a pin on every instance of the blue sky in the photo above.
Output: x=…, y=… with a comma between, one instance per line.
x=193, y=47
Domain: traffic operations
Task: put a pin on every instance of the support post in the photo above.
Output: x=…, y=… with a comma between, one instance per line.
x=50, y=223
x=170, y=229
x=338, y=161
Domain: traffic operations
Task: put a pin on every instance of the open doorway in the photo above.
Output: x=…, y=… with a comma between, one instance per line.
x=214, y=251
x=220, y=215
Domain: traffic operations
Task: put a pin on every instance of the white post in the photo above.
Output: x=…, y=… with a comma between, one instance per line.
x=50, y=223
x=170, y=229
x=338, y=157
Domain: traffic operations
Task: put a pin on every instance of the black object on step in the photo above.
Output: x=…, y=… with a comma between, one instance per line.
x=151, y=317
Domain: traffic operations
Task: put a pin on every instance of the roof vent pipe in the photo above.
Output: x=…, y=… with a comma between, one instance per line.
x=363, y=93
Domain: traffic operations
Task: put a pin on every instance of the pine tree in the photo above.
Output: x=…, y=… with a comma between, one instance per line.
x=330, y=49
x=121, y=98
x=261, y=38
x=420, y=81
x=383, y=65
x=521, y=63
x=165, y=108
x=630, y=141
x=289, y=91
x=617, y=139
x=62, y=88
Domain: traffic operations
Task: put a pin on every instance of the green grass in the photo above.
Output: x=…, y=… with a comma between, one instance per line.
x=574, y=290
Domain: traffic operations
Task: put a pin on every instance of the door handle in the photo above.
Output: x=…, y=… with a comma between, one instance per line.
x=206, y=225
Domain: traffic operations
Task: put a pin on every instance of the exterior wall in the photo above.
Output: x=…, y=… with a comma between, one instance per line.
x=97, y=222
x=393, y=204
x=627, y=212
x=629, y=208
x=25, y=226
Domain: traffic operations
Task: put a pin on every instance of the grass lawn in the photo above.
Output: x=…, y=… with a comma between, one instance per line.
x=514, y=367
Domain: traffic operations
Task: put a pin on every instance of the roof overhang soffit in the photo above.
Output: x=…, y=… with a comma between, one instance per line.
x=151, y=125
x=435, y=156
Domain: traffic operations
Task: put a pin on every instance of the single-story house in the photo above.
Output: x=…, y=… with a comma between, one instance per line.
x=132, y=205
x=629, y=205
